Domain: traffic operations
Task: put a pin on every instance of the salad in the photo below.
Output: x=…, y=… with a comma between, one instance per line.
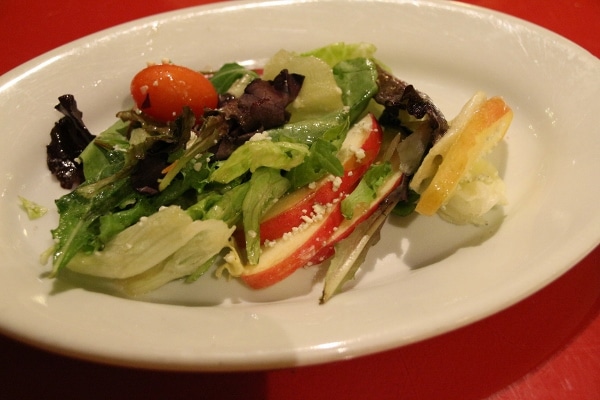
x=253, y=174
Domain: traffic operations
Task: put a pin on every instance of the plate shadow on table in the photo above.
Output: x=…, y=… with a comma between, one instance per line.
x=37, y=374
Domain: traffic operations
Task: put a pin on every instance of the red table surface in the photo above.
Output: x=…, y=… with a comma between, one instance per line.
x=545, y=347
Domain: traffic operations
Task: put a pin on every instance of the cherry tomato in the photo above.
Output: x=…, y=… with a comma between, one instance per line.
x=161, y=91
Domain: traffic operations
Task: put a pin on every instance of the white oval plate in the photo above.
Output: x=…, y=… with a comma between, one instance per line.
x=423, y=278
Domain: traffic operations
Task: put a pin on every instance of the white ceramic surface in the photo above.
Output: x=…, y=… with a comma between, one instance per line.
x=423, y=278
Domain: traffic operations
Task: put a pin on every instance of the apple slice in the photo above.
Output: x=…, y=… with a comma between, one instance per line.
x=361, y=214
x=280, y=259
x=359, y=149
x=299, y=226
x=313, y=241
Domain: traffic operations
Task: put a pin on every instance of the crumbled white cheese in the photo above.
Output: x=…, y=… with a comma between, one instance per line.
x=307, y=219
x=318, y=213
x=337, y=182
x=359, y=153
x=230, y=257
x=260, y=136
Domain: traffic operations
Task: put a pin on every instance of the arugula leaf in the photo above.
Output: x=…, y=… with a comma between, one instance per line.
x=78, y=227
x=320, y=161
x=358, y=80
x=228, y=74
x=333, y=125
x=210, y=131
x=406, y=207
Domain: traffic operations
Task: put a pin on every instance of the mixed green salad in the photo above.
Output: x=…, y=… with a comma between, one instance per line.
x=249, y=173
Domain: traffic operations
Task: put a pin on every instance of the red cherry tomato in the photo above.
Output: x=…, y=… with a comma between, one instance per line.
x=161, y=91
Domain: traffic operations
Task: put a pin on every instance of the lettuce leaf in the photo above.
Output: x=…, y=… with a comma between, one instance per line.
x=366, y=190
x=260, y=153
x=68, y=138
x=357, y=80
x=193, y=257
x=320, y=161
x=107, y=155
x=226, y=206
x=140, y=246
x=78, y=227
x=229, y=74
x=266, y=186
x=334, y=53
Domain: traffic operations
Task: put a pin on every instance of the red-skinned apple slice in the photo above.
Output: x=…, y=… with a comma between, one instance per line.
x=313, y=242
x=292, y=210
x=285, y=256
x=360, y=214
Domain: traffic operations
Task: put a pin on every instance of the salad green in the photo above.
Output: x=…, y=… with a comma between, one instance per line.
x=159, y=203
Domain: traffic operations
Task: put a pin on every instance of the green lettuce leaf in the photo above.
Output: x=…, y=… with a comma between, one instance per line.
x=357, y=80
x=226, y=206
x=140, y=246
x=106, y=155
x=229, y=75
x=78, y=227
x=334, y=53
x=266, y=186
x=195, y=256
x=260, y=153
x=321, y=161
x=33, y=210
x=366, y=191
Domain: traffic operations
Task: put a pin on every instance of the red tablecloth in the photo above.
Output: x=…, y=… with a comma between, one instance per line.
x=545, y=347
